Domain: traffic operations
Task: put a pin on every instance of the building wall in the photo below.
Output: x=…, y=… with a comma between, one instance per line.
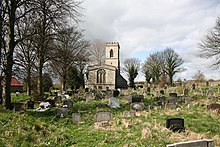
x=114, y=61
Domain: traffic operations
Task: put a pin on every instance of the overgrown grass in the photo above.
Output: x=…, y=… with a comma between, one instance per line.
x=147, y=129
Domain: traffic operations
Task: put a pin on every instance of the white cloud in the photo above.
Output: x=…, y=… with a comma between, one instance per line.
x=145, y=26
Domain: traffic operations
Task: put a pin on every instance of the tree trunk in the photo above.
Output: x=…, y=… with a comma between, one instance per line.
x=29, y=80
x=64, y=83
x=39, y=78
x=9, y=55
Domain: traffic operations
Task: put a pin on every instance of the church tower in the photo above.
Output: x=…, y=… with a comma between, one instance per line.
x=112, y=54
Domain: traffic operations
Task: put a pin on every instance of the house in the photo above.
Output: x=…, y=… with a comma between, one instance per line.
x=107, y=76
x=15, y=84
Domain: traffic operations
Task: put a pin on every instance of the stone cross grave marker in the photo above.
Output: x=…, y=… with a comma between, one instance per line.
x=175, y=124
x=194, y=143
x=103, y=116
x=76, y=118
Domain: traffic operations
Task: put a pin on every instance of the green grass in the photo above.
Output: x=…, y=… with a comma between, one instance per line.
x=148, y=129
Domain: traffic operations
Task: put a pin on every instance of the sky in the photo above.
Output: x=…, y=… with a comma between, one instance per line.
x=143, y=27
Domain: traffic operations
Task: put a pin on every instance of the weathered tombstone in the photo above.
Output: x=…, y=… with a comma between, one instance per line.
x=58, y=99
x=186, y=92
x=18, y=106
x=214, y=107
x=188, y=100
x=44, y=105
x=137, y=106
x=76, y=118
x=211, y=90
x=30, y=104
x=62, y=112
x=170, y=104
x=98, y=96
x=175, y=124
x=137, y=98
x=89, y=97
x=116, y=93
x=128, y=114
x=194, y=143
x=68, y=103
x=173, y=95
x=129, y=98
x=114, y=102
x=193, y=86
x=103, y=116
x=162, y=92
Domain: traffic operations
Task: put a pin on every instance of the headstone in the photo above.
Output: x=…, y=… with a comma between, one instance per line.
x=186, y=92
x=18, y=106
x=76, y=118
x=103, y=116
x=89, y=97
x=170, y=104
x=162, y=92
x=30, y=104
x=98, y=96
x=114, y=102
x=62, y=112
x=130, y=114
x=129, y=98
x=116, y=93
x=137, y=106
x=173, y=95
x=194, y=143
x=137, y=98
x=193, y=86
x=188, y=100
x=68, y=102
x=214, y=107
x=58, y=99
x=175, y=124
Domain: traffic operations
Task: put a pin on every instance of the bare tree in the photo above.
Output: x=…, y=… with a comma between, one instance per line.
x=210, y=45
x=199, y=76
x=97, y=50
x=131, y=67
x=51, y=16
x=69, y=46
x=172, y=62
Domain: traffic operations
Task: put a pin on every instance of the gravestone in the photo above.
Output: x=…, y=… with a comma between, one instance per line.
x=18, y=106
x=57, y=99
x=114, y=102
x=30, y=104
x=137, y=98
x=175, y=124
x=89, y=97
x=44, y=105
x=162, y=92
x=173, y=95
x=137, y=106
x=214, y=107
x=170, y=104
x=129, y=114
x=68, y=103
x=103, y=116
x=129, y=98
x=186, y=92
x=98, y=96
x=194, y=143
x=62, y=112
x=193, y=86
x=188, y=100
x=76, y=118
x=116, y=93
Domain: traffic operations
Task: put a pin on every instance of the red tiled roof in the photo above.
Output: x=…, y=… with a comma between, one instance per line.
x=14, y=82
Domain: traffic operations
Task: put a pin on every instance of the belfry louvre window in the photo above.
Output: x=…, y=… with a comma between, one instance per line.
x=111, y=53
x=101, y=76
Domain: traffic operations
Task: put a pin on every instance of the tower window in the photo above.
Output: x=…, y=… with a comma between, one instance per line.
x=111, y=53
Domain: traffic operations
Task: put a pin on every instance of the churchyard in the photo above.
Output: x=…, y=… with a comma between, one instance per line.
x=141, y=117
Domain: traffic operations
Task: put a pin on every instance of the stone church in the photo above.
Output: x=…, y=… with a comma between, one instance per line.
x=107, y=76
